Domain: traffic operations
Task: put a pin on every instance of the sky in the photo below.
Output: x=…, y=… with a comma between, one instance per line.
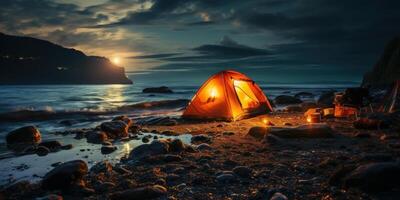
x=277, y=40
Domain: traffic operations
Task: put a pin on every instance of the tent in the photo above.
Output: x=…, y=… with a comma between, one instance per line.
x=228, y=96
x=391, y=102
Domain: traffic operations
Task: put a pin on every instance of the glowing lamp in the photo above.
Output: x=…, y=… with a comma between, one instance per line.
x=314, y=118
x=213, y=93
x=267, y=122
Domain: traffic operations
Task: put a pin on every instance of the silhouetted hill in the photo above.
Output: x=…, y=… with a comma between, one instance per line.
x=387, y=69
x=25, y=60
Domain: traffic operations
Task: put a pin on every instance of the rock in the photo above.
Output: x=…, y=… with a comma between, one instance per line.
x=96, y=137
x=286, y=99
x=201, y=139
x=67, y=147
x=374, y=177
x=172, y=178
x=124, y=119
x=243, y=171
x=42, y=151
x=386, y=70
x=293, y=108
x=50, y=197
x=80, y=135
x=145, y=140
x=370, y=124
x=257, y=132
x=303, y=95
x=102, y=167
x=65, y=176
x=162, y=89
x=326, y=99
x=228, y=133
x=157, y=147
x=204, y=147
x=278, y=196
x=115, y=129
x=105, y=187
x=362, y=135
x=53, y=145
x=320, y=130
x=339, y=174
x=226, y=177
x=108, y=149
x=287, y=124
x=176, y=145
x=272, y=139
x=22, y=137
x=308, y=105
x=142, y=193
x=171, y=158
x=389, y=137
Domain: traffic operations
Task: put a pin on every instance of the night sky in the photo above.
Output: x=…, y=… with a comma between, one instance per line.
x=281, y=40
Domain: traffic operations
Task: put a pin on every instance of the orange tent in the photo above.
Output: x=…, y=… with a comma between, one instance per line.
x=227, y=95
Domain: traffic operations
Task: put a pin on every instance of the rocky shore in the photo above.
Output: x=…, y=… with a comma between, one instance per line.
x=247, y=159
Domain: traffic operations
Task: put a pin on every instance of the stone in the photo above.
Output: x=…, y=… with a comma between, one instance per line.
x=226, y=177
x=374, y=177
x=243, y=171
x=228, y=133
x=162, y=89
x=96, y=137
x=42, y=151
x=204, y=147
x=272, y=139
x=176, y=145
x=101, y=167
x=145, y=140
x=67, y=147
x=326, y=99
x=108, y=149
x=65, y=176
x=53, y=145
x=293, y=108
x=320, y=130
x=105, y=187
x=124, y=119
x=278, y=196
x=50, y=197
x=20, y=138
x=201, y=139
x=141, y=193
x=115, y=129
x=157, y=147
x=286, y=99
x=257, y=132
x=304, y=95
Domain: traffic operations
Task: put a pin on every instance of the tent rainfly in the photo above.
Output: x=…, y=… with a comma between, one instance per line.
x=228, y=96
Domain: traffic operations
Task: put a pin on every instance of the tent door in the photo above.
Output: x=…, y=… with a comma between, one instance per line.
x=246, y=96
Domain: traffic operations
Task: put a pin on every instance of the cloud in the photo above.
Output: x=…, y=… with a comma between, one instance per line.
x=154, y=56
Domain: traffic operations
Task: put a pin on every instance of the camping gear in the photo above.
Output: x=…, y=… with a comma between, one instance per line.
x=328, y=112
x=391, y=102
x=314, y=117
x=229, y=96
x=344, y=111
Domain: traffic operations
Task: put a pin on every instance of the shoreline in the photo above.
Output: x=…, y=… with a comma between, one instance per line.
x=234, y=165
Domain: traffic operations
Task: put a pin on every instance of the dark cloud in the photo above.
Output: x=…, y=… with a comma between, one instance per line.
x=154, y=56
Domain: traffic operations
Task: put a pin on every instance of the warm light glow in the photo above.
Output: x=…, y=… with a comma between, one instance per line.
x=116, y=60
x=213, y=93
x=265, y=120
x=309, y=119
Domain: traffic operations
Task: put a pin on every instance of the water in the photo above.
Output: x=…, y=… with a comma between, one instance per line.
x=77, y=102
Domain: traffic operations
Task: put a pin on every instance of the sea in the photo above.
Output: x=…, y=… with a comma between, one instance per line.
x=58, y=108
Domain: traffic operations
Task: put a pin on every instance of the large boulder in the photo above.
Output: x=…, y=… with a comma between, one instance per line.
x=326, y=99
x=115, y=129
x=157, y=147
x=162, y=89
x=141, y=193
x=387, y=69
x=374, y=176
x=257, y=132
x=125, y=119
x=22, y=137
x=320, y=130
x=96, y=137
x=286, y=99
x=65, y=176
x=304, y=95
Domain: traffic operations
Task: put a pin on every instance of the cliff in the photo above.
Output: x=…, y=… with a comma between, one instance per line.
x=387, y=69
x=25, y=60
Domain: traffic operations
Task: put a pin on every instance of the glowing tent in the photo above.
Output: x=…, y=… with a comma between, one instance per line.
x=227, y=95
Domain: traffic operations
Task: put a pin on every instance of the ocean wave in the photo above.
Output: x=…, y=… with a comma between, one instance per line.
x=50, y=114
